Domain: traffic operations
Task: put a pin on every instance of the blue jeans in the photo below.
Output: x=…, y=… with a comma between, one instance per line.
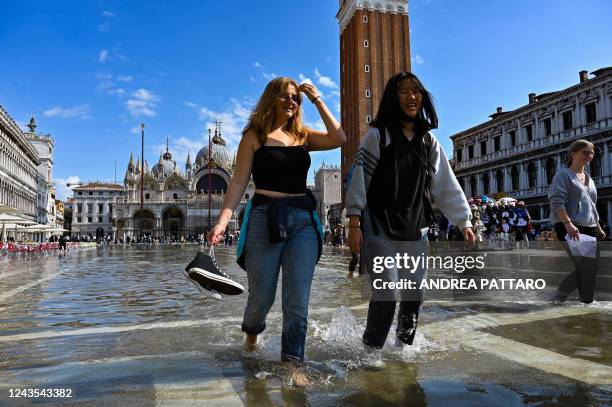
x=297, y=254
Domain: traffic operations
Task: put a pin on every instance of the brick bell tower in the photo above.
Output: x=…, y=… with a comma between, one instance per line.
x=374, y=45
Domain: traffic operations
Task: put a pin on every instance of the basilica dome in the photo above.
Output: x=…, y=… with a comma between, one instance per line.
x=166, y=165
x=220, y=154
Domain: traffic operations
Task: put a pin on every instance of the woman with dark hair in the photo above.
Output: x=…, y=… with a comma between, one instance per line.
x=400, y=169
x=281, y=226
x=573, y=211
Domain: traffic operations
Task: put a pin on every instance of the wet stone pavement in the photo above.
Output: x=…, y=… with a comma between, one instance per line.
x=121, y=326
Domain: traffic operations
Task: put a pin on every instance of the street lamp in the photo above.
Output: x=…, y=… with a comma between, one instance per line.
x=142, y=126
x=209, y=201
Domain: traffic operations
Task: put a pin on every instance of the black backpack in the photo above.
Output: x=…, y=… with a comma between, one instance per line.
x=402, y=223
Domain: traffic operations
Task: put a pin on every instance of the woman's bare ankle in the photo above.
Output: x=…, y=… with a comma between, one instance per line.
x=250, y=342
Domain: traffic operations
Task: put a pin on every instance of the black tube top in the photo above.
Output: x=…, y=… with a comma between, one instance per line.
x=281, y=169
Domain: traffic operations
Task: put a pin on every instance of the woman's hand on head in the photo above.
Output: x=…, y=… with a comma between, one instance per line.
x=215, y=234
x=309, y=90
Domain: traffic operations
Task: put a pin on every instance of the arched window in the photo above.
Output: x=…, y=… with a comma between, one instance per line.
x=515, y=178
x=595, y=170
x=175, y=196
x=499, y=178
x=485, y=183
x=147, y=196
x=550, y=169
x=532, y=174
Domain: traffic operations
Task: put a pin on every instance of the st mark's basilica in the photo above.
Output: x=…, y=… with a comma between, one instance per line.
x=176, y=202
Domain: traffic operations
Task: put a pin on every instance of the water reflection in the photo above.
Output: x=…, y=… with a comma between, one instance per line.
x=198, y=352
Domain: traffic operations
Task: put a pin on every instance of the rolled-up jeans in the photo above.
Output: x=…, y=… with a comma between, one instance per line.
x=297, y=255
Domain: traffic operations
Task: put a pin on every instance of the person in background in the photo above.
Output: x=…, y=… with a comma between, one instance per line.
x=573, y=211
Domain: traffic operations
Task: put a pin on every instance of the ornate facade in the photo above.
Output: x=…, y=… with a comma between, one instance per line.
x=175, y=201
x=518, y=152
x=44, y=146
x=18, y=168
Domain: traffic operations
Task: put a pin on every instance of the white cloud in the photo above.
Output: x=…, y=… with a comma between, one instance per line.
x=318, y=125
x=135, y=130
x=325, y=81
x=103, y=56
x=267, y=76
x=104, y=76
x=104, y=27
x=417, y=59
x=233, y=119
x=304, y=79
x=121, y=57
x=125, y=78
x=62, y=191
x=142, y=103
x=107, y=13
x=82, y=111
x=108, y=86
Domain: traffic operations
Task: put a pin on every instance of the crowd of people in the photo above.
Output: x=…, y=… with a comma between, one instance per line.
x=503, y=220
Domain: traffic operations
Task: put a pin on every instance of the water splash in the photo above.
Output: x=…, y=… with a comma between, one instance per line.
x=344, y=330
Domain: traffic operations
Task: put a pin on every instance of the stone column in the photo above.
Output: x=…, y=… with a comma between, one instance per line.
x=523, y=180
x=542, y=212
x=539, y=172
x=605, y=164
x=609, y=220
x=507, y=179
x=468, y=186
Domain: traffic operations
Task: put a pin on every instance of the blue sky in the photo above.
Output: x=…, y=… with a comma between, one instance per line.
x=91, y=71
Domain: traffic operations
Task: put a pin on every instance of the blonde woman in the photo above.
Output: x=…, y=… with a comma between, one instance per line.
x=573, y=211
x=281, y=226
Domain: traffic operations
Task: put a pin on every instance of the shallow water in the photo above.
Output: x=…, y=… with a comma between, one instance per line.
x=123, y=325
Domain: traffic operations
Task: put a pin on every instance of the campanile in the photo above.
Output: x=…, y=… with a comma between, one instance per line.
x=374, y=45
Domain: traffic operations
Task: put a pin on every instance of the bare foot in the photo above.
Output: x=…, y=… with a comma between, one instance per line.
x=299, y=379
x=250, y=343
x=297, y=375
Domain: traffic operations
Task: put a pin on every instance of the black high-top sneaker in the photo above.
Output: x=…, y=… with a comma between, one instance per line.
x=204, y=272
